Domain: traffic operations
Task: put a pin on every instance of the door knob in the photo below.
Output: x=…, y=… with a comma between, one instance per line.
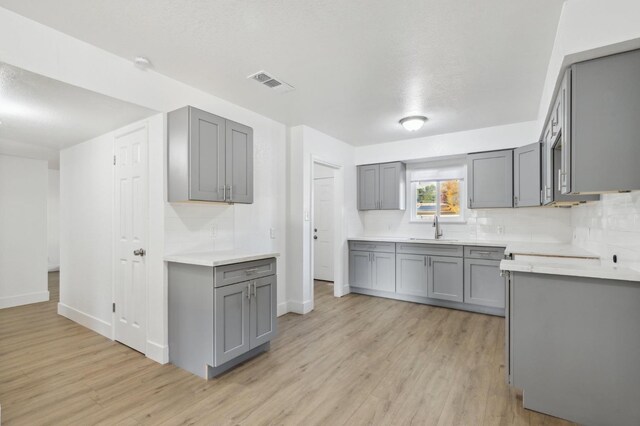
x=315, y=229
x=315, y=237
x=139, y=252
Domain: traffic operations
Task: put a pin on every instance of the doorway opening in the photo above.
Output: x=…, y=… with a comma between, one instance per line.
x=327, y=231
x=323, y=230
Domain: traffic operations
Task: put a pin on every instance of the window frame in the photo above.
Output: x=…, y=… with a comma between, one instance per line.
x=413, y=188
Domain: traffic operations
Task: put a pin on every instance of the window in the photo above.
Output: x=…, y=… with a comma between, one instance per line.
x=437, y=190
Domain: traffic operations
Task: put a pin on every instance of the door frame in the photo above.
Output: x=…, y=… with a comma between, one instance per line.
x=339, y=229
x=114, y=238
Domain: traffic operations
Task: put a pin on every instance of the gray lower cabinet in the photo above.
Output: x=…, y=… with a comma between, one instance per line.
x=454, y=276
x=483, y=284
x=382, y=186
x=219, y=317
x=372, y=270
x=209, y=158
x=411, y=274
x=445, y=278
x=527, y=176
x=490, y=179
x=574, y=347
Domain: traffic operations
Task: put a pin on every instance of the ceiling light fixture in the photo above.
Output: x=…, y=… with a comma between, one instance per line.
x=141, y=62
x=414, y=122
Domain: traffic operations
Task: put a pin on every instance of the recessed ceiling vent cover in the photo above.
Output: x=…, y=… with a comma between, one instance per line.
x=271, y=82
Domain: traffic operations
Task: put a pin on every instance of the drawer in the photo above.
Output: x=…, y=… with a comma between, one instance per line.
x=372, y=246
x=429, y=249
x=489, y=253
x=238, y=272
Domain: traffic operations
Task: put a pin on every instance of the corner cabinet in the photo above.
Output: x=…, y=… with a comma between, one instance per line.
x=382, y=186
x=490, y=179
x=220, y=316
x=209, y=158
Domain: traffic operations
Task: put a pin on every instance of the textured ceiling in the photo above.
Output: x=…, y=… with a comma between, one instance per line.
x=40, y=115
x=358, y=66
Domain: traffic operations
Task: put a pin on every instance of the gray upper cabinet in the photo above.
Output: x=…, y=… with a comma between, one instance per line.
x=262, y=310
x=445, y=278
x=526, y=176
x=368, y=187
x=239, y=168
x=602, y=150
x=382, y=186
x=490, y=179
x=483, y=284
x=232, y=328
x=209, y=158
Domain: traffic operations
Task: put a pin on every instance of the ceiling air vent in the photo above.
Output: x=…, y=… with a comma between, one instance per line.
x=271, y=82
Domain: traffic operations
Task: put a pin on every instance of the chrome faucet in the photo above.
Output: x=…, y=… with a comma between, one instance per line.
x=436, y=224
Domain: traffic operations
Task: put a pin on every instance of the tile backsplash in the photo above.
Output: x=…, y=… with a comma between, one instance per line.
x=610, y=226
x=524, y=224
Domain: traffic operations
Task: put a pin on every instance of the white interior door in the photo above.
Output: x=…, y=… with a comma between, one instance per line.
x=130, y=292
x=323, y=229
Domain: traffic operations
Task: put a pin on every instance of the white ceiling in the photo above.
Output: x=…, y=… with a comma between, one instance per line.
x=358, y=66
x=40, y=115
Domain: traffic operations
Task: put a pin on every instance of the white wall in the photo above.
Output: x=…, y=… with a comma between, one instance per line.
x=307, y=145
x=86, y=233
x=53, y=220
x=487, y=139
x=23, y=231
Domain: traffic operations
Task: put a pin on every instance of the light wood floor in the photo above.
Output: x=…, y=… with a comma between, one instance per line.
x=354, y=360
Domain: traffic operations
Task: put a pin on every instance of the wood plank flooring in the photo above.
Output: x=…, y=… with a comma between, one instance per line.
x=354, y=360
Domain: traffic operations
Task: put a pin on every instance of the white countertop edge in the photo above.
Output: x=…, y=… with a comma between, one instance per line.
x=431, y=241
x=216, y=259
x=587, y=271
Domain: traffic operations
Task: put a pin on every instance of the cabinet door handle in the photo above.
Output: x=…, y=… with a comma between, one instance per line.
x=224, y=193
x=470, y=202
x=249, y=291
x=255, y=289
x=483, y=253
x=559, y=179
x=515, y=200
x=429, y=262
x=230, y=192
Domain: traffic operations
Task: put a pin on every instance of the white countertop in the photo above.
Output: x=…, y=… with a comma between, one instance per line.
x=444, y=241
x=556, y=266
x=216, y=258
x=548, y=249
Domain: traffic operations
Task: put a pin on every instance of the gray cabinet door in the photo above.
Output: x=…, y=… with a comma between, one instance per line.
x=263, y=310
x=384, y=272
x=547, y=167
x=561, y=131
x=604, y=147
x=490, y=179
x=526, y=176
x=445, y=278
x=360, y=269
x=239, y=162
x=368, y=187
x=411, y=274
x=483, y=284
x=206, y=156
x=392, y=186
x=232, y=328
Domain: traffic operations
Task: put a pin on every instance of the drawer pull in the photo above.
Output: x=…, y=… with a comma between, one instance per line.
x=483, y=253
x=251, y=271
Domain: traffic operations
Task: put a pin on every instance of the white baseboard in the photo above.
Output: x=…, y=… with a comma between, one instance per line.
x=157, y=352
x=300, y=307
x=85, y=320
x=282, y=309
x=24, y=299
